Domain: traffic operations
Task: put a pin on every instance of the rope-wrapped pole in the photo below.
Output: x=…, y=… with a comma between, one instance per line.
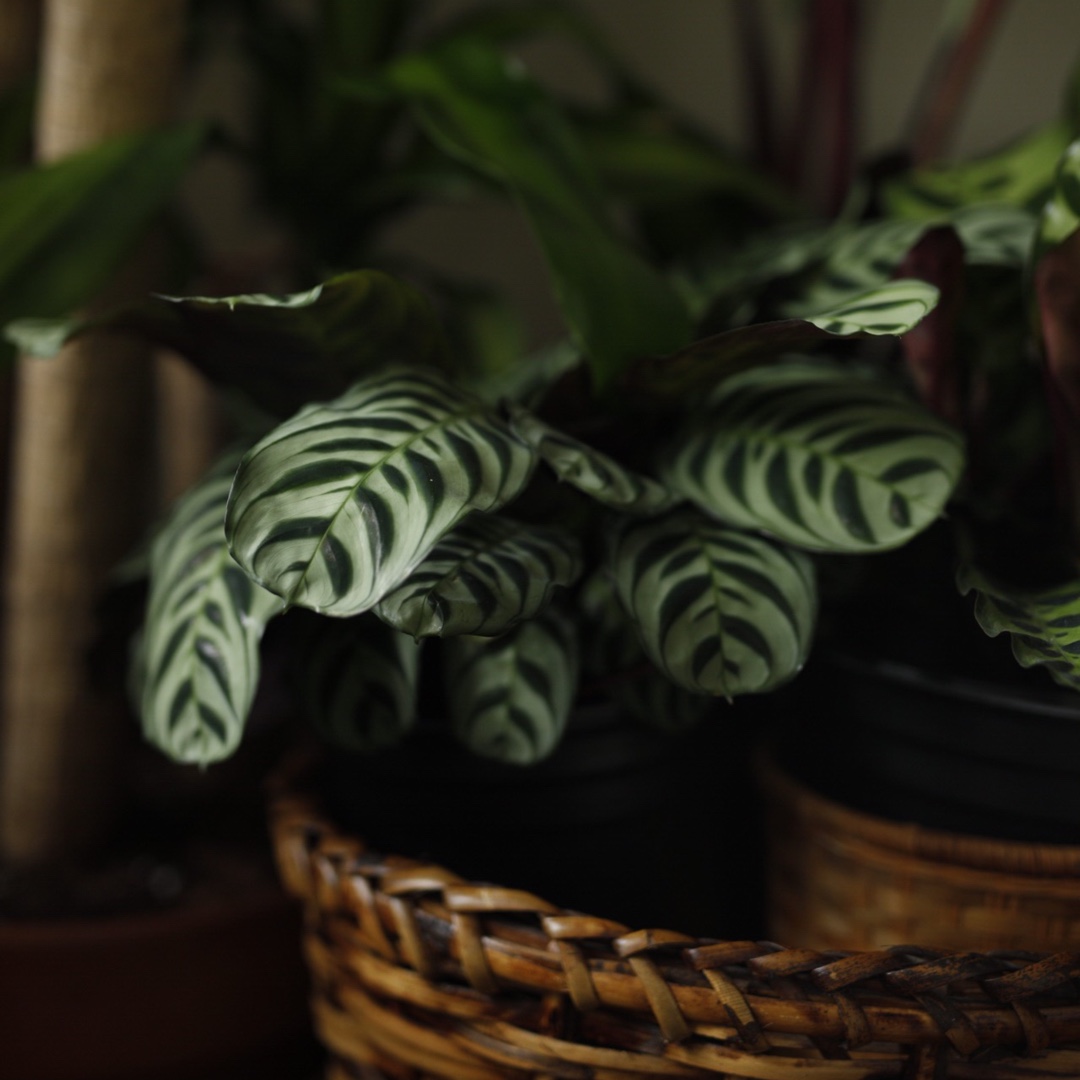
x=81, y=457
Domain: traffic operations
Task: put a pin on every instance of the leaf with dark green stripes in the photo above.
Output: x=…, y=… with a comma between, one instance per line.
x=611, y=652
x=1020, y=174
x=1060, y=216
x=337, y=506
x=1044, y=624
x=890, y=310
x=589, y=470
x=200, y=653
x=510, y=696
x=281, y=351
x=482, y=578
x=360, y=680
x=719, y=611
x=819, y=457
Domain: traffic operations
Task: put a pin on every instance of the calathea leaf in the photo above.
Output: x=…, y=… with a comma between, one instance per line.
x=589, y=470
x=890, y=310
x=817, y=456
x=718, y=611
x=280, y=351
x=340, y=504
x=510, y=696
x=200, y=650
x=482, y=578
x=1044, y=624
x=360, y=681
x=612, y=652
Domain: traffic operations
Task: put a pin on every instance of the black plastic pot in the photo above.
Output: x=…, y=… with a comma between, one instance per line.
x=640, y=826
x=997, y=756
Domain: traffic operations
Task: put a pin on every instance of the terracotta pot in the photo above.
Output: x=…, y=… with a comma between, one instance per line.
x=211, y=990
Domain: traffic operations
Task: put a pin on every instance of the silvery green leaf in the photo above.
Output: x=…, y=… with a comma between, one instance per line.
x=1044, y=624
x=360, y=680
x=510, y=697
x=200, y=651
x=339, y=505
x=590, y=471
x=482, y=578
x=818, y=457
x=718, y=611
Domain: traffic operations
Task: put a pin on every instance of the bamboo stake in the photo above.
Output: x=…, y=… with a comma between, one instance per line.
x=81, y=457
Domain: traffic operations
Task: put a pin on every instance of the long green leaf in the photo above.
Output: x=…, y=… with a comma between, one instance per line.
x=281, y=351
x=1044, y=625
x=589, y=470
x=481, y=109
x=205, y=619
x=340, y=504
x=482, y=578
x=719, y=611
x=510, y=696
x=360, y=683
x=818, y=457
x=66, y=226
x=891, y=309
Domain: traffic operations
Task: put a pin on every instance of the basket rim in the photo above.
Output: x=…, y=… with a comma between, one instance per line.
x=492, y=939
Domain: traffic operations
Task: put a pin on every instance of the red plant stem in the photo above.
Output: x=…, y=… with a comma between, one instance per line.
x=758, y=84
x=951, y=76
x=840, y=18
x=808, y=101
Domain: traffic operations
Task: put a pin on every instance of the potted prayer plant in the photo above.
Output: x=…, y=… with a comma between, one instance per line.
x=473, y=560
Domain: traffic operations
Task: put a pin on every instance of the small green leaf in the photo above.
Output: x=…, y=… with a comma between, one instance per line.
x=719, y=611
x=510, y=696
x=590, y=471
x=281, y=351
x=890, y=309
x=482, y=578
x=360, y=682
x=818, y=457
x=1044, y=625
x=339, y=505
x=199, y=658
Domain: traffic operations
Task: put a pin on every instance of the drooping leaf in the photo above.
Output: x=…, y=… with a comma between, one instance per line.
x=719, y=611
x=360, y=680
x=818, y=457
x=595, y=473
x=612, y=653
x=1060, y=215
x=1021, y=175
x=281, y=351
x=340, y=504
x=482, y=578
x=485, y=111
x=1044, y=625
x=66, y=226
x=510, y=696
x=890, y=310
x=205, y=619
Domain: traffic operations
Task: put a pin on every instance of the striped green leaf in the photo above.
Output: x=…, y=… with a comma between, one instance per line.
x=482, y=578
x=818, y=457
x=893, y=308
x=589, y=470
x=1060, y=216
x=612, y=652
x=340, y=504
x=360, y=680
x=200, y=650
x=719, y=611
x=510, y=696
x=1045, y=624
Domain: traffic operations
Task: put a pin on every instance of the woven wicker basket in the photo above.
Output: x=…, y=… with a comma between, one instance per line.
x=841, y=877
x=419, y=974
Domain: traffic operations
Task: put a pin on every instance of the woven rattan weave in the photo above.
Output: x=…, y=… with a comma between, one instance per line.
x=418, y=974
